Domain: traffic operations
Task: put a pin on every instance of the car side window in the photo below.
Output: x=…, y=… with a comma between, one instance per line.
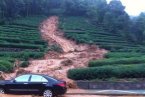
x=38, y=78
x=23, y=78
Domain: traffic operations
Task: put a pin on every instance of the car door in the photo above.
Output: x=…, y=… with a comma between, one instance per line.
x=37, y=83
x=19, y=84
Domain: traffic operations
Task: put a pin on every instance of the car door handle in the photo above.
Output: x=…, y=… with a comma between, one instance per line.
x=44, y=83
x=25, y=83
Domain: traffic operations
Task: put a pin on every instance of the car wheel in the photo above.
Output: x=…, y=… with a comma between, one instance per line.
x=48, y=93
x=2, y=91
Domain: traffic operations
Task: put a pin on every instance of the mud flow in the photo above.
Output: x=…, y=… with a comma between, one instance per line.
x=57, y=64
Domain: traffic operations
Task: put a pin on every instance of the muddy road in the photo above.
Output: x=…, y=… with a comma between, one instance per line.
x=69, y=96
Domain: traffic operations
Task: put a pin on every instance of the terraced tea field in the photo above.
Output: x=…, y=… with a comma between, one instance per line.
x=126, y=59
x=81, y=30
x=20, y=39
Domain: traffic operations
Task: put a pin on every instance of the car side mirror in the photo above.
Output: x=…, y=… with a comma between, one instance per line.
x=14, y=81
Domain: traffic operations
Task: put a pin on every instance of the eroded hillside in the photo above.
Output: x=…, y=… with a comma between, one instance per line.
x=57, y=64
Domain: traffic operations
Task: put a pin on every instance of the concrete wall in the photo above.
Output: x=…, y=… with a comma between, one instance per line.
x=111, y=85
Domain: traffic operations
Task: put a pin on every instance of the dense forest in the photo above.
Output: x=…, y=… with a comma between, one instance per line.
x=111, y=16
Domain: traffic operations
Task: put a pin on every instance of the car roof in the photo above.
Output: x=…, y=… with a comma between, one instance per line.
x=35, y=74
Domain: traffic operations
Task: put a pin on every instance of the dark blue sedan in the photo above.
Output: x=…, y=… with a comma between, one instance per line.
x=35, y=84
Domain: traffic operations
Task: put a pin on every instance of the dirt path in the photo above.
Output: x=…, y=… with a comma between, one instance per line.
x=73, y=56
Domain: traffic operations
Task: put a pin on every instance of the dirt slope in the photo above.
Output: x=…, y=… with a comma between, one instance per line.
x=74, y=55
x=57, y=64
x=49, y=31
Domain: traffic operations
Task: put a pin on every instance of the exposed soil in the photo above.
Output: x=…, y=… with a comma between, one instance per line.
x=57, y=64
x=73, y=56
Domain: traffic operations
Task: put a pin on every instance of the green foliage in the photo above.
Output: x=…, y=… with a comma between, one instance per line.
x=112, y=61
x=138, y=28
x=24, y=64
x=127, y=71
x=85, y=21
x=122, y=55
x=97, y=10
x=55, y=48
x=22, y=55
x=116, y=19
x=21, y=40
x=6, y=66
x=82, y=30
x=75, y=7
x=111, y=17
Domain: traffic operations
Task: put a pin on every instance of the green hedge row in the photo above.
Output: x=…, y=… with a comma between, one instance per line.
x=17, y=29
x=122, y=54
x=19, y=34
x=30, y=39
x=22, y=55
x=112, y=61
x=29, y=21
x=14, y=26
x=15, y=40
x=25, y=46
x=14, y=30
x=127, y=71
x=28, y=36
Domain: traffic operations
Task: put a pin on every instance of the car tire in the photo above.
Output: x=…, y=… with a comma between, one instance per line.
x=48, y=93
x=2, y=91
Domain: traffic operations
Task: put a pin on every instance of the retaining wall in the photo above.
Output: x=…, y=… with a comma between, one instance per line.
x=111, y=85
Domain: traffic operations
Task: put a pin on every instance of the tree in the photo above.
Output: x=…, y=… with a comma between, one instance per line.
x=138, y=28
x=96, y=10
x=3, y=8
x=116, y=19
x=75, y=7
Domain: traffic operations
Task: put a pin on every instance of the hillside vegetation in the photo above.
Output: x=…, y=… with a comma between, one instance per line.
x=124, y=54
x=82, y=30
x=96, y=22
x=20, y=39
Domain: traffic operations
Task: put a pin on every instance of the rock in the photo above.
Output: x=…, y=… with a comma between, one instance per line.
x=67, y=62
x=71, y=84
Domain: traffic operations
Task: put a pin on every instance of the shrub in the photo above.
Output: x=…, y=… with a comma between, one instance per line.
x=24, y=64
x=6, y=66
x=128, y=71
x=37, y=55
x=25, y=56
x=55, y=48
